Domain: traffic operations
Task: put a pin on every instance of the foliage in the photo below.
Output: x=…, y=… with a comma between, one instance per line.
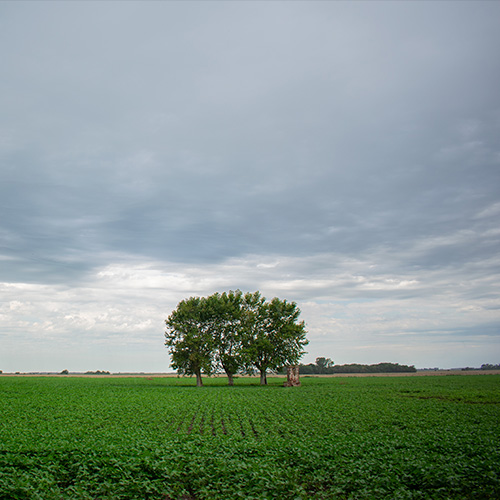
x=349, y=438
x=324, y=363
x=189, y=338
x=325, y=369
x=236, y=332
x=488, y=366
x=275, y=336
x=323, y=366
x=226, y=328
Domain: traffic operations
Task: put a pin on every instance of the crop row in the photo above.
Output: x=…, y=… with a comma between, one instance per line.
x=206, y=422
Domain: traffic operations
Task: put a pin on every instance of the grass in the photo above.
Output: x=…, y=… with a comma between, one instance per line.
x=163, y=438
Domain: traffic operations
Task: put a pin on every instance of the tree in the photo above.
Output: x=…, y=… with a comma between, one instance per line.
x=486, y=366
x=188, y=337
x=226, y=330
x=257, y=348
x=274, y=336
x=324, y=364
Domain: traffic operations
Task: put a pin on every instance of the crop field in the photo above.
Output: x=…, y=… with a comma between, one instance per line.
x=163, y=438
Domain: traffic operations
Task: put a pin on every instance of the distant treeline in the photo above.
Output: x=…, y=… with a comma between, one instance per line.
x=315, y=369
x=98, y=372
x=486, y=366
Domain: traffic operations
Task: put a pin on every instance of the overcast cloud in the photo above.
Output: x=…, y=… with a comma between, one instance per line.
x=344, y=155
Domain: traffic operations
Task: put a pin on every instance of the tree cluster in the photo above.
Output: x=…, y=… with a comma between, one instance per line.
x=488, y=366
x=234, y=332
x=325, y=366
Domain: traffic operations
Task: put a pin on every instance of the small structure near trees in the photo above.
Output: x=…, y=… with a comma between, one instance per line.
x=292, y=376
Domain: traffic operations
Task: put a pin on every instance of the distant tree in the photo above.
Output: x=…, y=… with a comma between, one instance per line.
x=309, y=369
x=378, y=368
x=324, y=364
x=65, y=372
x=273, y=335
x=189, y=338
x=486, y=366
x=353, y=368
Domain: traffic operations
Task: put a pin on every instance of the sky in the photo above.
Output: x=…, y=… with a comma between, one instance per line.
x=342, y=155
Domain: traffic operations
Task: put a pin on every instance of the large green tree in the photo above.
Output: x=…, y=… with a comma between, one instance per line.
x=189, y=338
x=274, y=335
x=227, y=330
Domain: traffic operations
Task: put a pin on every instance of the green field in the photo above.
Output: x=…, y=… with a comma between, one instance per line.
x=162, y=438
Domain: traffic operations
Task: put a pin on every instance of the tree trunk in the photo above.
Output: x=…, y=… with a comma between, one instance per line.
x=292, y=377
x=230, y=380
x=199, y=382
x=263, y=377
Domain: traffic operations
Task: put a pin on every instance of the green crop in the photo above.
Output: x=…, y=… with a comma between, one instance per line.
x=164, y=439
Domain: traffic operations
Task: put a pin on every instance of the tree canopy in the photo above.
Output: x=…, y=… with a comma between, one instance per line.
x=226, y=328
x=275, y=338
x=234, y=332
x=189, y=339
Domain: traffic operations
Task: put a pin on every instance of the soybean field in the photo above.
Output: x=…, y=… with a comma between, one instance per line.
x=162, y=438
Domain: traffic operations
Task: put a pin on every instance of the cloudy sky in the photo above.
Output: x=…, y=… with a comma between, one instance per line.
x=342, y=155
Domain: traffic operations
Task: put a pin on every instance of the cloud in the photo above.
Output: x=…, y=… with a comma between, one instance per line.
x=346, y=304
x=341, y=155
x=490, y=211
